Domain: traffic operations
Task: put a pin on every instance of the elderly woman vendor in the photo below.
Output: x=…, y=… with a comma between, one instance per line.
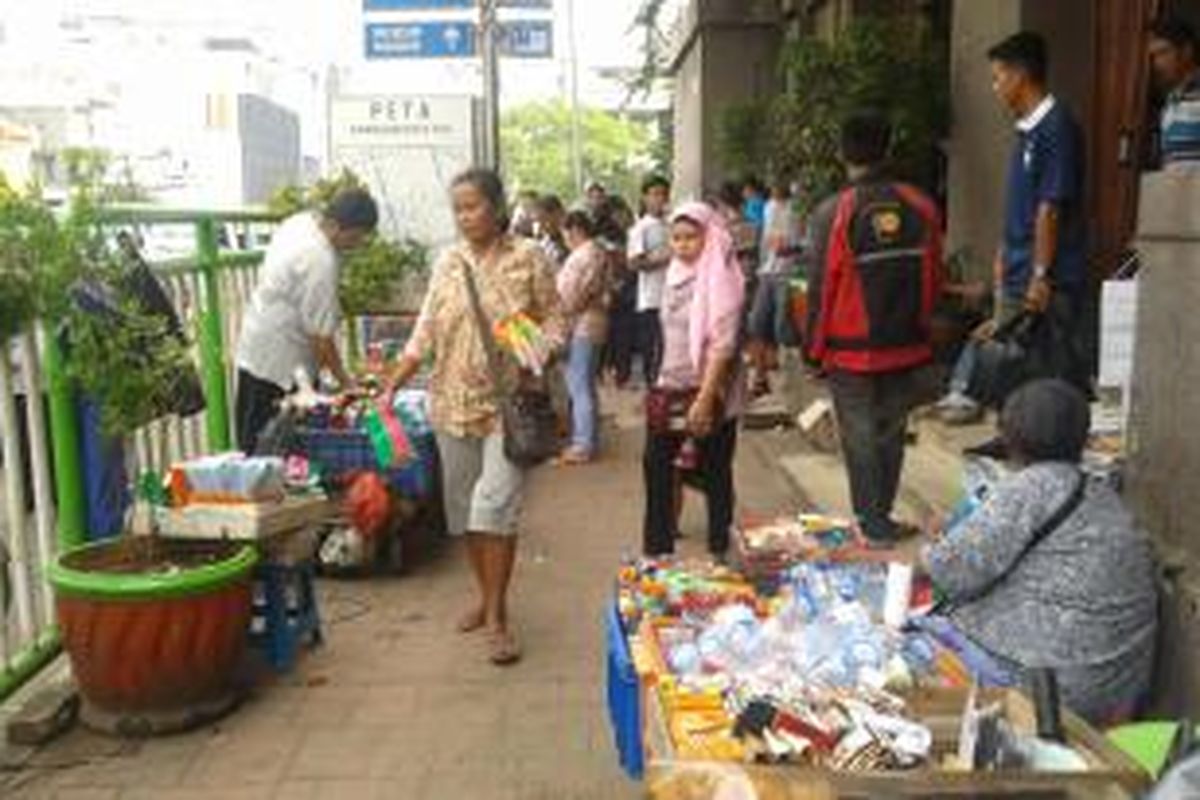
x=1050, y=571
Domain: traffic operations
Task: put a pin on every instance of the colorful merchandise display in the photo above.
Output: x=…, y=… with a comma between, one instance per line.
x=524, y=340
x=808, y=674
x=348, y=434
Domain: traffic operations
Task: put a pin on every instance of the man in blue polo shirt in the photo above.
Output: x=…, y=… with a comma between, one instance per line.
x=1174, y=52
x=1041, y=266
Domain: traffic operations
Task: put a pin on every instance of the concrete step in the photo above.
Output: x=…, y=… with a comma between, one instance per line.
x=930, y=486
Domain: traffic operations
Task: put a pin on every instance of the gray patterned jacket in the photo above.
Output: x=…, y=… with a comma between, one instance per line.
x=1083, y=601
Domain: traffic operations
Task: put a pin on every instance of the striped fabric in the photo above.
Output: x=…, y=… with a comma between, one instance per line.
x=1181, y=125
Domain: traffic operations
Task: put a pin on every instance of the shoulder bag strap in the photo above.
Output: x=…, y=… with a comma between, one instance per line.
x=1045, y=529
x=484, y=328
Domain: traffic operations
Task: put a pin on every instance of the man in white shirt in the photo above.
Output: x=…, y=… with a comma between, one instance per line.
x=292, y=320
x=649, y=257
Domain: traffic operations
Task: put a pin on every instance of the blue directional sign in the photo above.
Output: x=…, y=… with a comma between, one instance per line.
x=420, y=40
x=426, y=5
x=527, y=38
x=415, y=5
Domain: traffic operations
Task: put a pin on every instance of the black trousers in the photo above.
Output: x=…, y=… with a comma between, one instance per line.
x=650, y=344
x=716, y=467
x=872, y=414
x=622, y=335
x=257, y=404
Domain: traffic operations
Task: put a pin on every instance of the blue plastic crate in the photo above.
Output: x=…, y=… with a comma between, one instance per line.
x=339, y=453
x=624, y=698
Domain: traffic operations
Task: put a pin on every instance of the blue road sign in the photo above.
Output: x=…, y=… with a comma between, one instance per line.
x=420, y=40
x=415, y=5
x=426, y=5
x=527, y=38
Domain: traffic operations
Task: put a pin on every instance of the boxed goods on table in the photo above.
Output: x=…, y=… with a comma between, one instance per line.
x=817, y=676
x=227, y=478
x=342, y=436
x=765, y=547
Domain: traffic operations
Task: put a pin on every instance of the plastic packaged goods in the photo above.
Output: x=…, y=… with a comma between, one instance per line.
x=228, y=478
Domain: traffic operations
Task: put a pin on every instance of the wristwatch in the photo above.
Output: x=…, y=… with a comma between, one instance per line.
x=1041, y=272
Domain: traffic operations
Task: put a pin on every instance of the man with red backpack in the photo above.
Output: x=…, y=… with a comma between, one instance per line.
x=875, y=274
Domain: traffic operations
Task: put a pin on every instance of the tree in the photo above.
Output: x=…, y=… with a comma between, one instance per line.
x=895, y=66
x=536, y=149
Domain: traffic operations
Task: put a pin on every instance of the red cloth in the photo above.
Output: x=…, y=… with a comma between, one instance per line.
x=367, y=504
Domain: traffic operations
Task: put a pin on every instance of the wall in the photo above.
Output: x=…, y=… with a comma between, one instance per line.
x=1165, y=439
x=980, y=132
x=689, y=122
x=727, y=54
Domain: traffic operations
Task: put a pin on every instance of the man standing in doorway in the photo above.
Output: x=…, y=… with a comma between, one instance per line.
x=293, y=317
x=649, y=257
x=1174, y=51
x=874, y=279
x=1041, y=266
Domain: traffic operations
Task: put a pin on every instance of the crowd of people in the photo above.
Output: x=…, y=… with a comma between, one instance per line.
x=690, y=304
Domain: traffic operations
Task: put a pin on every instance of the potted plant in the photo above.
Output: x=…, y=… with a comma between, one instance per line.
x=154, y=627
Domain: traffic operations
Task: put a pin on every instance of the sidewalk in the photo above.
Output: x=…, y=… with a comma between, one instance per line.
x=396, y=705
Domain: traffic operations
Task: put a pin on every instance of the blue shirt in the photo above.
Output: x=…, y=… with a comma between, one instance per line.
x=1046, y=167
x=1181, y=124
x=755, y=212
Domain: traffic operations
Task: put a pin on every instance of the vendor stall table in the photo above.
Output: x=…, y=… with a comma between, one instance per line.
x=285, y=608
x=1111, y=775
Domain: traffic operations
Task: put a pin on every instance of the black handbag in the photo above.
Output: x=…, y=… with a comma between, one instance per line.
x=527, y=417
x=1020, y=351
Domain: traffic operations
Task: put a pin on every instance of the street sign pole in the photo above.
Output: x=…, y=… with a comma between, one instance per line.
x=489, y=49
x=576, y=136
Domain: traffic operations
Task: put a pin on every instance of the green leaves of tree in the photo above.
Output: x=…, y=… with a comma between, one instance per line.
x=536, y=143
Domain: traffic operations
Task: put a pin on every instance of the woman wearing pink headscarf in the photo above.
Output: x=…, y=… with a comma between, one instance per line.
x=692, y=411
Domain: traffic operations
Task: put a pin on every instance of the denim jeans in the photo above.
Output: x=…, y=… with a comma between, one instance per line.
x=581, y=385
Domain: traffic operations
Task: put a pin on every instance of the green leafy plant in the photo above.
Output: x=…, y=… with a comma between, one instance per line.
x=889, y=64
x=742, y=137
x=119, y=355
x=370, y=275
x=536, y=138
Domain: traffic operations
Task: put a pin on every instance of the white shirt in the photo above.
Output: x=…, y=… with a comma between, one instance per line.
x=1027, y=124
x=296, y=299
x=650, y=234
x=780, y=223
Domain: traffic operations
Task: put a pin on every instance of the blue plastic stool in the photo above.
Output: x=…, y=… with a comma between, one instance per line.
x=286, y=603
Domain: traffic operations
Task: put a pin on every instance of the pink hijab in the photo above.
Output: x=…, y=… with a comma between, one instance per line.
x=720, y=286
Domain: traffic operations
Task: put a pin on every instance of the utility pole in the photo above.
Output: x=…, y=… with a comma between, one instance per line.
x=489, y=48
x=576, y=133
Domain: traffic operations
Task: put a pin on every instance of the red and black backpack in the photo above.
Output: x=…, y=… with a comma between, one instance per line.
x=882, y=272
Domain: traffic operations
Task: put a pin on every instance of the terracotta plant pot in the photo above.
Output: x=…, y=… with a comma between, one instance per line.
x=154, y=628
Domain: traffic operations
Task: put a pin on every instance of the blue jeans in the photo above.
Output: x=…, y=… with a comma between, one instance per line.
x=581, y=385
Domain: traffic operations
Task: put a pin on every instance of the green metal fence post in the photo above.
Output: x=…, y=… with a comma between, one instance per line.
x=212, y=350
x=64, y=439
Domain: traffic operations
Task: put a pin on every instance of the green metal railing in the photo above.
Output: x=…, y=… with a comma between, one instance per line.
x=208, y=263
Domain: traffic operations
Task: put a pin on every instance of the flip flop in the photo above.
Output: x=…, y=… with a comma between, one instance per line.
x=471, y=622
x=573, y=458
x=504, y=650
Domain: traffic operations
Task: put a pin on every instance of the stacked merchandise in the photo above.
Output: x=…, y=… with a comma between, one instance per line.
x=348, y=434
x=808, y=674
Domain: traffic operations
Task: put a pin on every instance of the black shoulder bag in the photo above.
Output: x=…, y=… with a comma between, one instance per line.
x=527, y=416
